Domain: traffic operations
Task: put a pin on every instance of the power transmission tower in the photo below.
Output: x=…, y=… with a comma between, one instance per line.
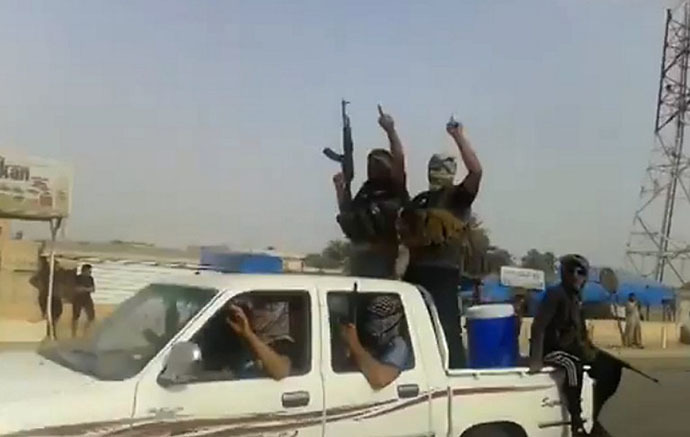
x=658, y=242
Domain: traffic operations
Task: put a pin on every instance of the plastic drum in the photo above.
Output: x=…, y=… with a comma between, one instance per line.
x=492, y=336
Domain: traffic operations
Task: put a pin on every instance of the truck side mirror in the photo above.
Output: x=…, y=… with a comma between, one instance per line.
x=181, y=365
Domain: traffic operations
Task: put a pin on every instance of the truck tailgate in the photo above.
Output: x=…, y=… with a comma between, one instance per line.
x=531, y=401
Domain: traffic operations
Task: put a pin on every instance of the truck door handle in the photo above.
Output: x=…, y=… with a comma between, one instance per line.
x=408, y=391
x=295, y=399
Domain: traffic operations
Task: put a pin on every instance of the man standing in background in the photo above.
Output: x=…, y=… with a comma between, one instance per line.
x=41, y=281
x=633, y=322
x=84, y=287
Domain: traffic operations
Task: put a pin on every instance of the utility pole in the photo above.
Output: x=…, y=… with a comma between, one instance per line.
x=656, y=248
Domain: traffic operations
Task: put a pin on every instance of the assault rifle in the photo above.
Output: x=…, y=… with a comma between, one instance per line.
x=352, y=303
x=345, y=159
x=626, y=365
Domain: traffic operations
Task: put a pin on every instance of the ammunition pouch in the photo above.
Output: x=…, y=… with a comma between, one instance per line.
x=373, y=222
x=422, y=227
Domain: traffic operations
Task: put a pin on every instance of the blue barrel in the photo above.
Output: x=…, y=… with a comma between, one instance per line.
x=492, y=336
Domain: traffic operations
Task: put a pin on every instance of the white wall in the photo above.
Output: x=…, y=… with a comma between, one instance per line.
x=116, y=281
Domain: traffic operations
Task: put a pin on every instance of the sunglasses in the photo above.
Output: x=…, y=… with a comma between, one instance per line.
x=580, y=271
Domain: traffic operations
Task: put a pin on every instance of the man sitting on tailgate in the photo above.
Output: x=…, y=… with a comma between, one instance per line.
x=382, y=352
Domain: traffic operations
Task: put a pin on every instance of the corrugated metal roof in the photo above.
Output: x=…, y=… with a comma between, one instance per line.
x=117, y=281
x=125, y=251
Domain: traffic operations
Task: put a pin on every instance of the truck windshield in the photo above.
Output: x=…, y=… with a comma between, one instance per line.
x=138, y=329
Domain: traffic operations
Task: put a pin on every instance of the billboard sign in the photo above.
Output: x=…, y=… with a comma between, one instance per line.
x=33, y=188
x=524, y=278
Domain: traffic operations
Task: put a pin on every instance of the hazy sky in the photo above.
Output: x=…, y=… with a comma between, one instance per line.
x=202, y=122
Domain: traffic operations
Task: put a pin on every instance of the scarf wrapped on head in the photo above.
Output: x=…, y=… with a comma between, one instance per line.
x=441, y=171
x=269, y=320
x=382, y=156
x=382, y=320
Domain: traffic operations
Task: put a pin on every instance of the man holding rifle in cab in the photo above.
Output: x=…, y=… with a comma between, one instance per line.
x=378, y=349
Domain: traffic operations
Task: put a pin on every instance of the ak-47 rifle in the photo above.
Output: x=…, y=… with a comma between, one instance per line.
x=345, y=159
x=626, y=365
x=352, y=303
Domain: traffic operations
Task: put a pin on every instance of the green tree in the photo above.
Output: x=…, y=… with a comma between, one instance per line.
x=318, y=261
x=337, y=250
x=546, y=262
x=333, y=256
x=496, y=258
x=480, y=257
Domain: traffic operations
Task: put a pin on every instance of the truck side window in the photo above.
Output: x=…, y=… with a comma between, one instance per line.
x=281, y=320
x=386, y=340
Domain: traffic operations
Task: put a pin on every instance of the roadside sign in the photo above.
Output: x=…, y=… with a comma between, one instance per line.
x=524, y=278
x=33, y=188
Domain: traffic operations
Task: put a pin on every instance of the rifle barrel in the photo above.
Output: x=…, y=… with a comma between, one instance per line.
x=628, y=366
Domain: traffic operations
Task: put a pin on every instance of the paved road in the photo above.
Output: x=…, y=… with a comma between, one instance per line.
x=643, y=409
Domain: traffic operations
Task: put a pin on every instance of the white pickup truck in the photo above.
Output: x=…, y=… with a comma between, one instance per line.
x=151, y=369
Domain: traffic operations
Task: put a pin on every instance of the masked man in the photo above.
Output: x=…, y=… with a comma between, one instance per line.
x=381, y=353
x=264, y=328
x=559, y=338
x=433, y=226
x=368, y=220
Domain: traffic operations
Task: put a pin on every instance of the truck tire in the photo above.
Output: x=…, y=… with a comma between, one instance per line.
x=503, y=429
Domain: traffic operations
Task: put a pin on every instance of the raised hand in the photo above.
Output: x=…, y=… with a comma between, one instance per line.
x=386, y=121
x=454, y=127
x=348, y=332
x=238, y=321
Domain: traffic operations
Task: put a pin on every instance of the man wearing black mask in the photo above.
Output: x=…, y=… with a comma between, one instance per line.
x=368, y=220
x=559, y=338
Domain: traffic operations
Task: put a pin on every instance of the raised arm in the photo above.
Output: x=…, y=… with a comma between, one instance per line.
x=342, y=193
x=275, y=365
x=388, y=125
x=469, y=157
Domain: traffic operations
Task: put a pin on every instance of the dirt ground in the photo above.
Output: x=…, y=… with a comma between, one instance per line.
x=30, y=313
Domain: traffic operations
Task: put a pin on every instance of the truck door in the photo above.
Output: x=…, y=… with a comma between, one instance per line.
x=223, y=396
x=353, y=407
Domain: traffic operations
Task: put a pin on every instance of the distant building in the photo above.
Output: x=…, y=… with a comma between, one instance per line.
x=120, y=268
x=123, y=251
x=292, y=262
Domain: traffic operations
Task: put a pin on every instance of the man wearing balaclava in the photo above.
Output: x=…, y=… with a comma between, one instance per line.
x=368, y=220
x=432, y=228
x=379, y=352
x=559, y=338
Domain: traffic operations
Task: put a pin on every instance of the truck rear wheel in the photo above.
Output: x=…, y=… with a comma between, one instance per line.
x=503, y=429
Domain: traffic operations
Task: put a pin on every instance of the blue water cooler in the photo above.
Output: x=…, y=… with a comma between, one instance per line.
x=492, y=336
